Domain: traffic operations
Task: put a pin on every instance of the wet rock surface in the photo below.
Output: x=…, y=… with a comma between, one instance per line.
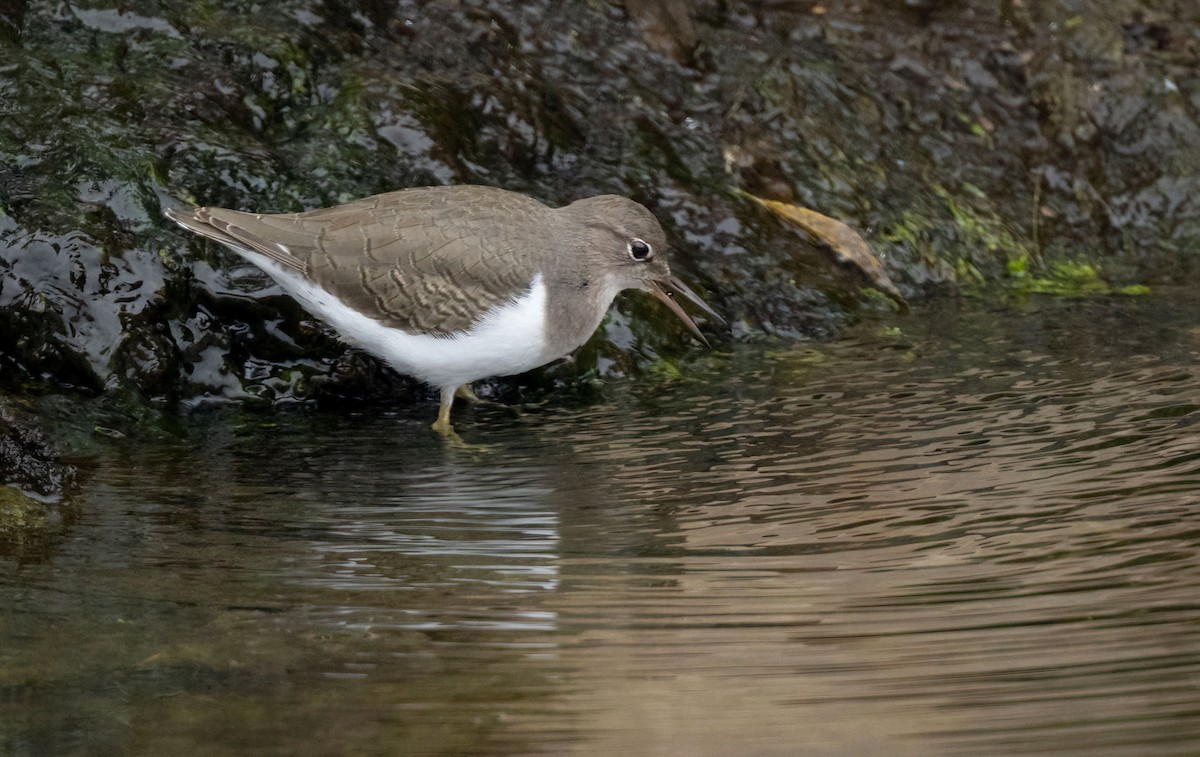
x=971, y=143
x=28, y=460
x=35, y=485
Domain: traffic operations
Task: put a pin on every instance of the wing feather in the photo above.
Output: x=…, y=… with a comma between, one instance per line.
x=423, y=260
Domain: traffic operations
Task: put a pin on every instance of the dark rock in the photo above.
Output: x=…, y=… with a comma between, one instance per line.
x=28, y=461
x=957, y=136
x=667, y=26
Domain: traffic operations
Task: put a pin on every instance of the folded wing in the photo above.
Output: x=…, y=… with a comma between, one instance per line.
x=421, y=260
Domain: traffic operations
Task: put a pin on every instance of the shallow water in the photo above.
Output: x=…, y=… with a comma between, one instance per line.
x=964, y=531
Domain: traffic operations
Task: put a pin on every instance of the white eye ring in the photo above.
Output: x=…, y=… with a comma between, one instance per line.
x=639, y=250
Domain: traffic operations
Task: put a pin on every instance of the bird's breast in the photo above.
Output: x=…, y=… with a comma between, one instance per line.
x=508, y=339
x=574, y=309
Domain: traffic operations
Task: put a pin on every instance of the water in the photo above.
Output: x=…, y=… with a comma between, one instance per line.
x=965, y=531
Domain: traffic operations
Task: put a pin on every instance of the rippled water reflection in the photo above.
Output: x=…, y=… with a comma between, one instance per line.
x=976, y=537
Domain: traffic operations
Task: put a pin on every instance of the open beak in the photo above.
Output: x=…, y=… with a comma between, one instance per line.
x=656, y=288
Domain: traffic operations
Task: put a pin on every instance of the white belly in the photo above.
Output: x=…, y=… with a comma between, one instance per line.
x=506, y=340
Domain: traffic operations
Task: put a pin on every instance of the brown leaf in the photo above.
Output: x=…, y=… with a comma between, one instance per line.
x=845, y=244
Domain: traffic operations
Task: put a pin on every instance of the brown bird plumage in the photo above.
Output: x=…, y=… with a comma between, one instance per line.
x=436, y=262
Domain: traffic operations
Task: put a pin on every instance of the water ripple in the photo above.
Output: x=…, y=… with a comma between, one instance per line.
x=972, y=538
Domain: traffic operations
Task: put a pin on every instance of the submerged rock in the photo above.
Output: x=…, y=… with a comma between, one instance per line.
x=35, y=485
x=28, y=460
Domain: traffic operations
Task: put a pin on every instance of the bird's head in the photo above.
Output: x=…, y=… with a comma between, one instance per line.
x=625, y=241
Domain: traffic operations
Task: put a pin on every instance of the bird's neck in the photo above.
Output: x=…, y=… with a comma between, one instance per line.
x=575, y=306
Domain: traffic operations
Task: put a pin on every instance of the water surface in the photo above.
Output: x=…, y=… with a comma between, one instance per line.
x=971, y=530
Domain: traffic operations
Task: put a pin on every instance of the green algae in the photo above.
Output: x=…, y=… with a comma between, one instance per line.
x=24, y=521
x=1068, y=278
x=982, y=229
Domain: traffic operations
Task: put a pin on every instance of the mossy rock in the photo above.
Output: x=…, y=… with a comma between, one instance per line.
x=24, y=522
x=1068, y=278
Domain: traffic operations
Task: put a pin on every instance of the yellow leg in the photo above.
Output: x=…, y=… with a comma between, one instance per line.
x=442, y=424
x=465, y=392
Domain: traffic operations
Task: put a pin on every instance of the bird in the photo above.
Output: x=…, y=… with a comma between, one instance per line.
x=452, y=284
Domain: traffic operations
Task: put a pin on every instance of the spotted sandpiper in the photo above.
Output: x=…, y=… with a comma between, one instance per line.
x=454, y=284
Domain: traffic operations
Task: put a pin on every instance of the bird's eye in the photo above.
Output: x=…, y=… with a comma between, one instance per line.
x=639, y=250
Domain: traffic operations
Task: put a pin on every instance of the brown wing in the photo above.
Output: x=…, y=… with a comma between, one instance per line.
x=429, y=260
